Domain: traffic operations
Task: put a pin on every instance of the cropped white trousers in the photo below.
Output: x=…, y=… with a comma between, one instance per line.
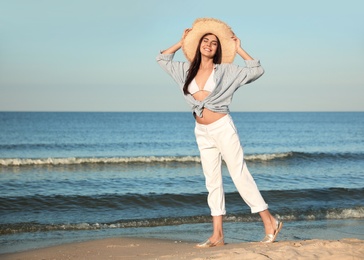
x=220, y=140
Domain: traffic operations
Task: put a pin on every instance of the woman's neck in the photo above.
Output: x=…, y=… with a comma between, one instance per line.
x=206, y=63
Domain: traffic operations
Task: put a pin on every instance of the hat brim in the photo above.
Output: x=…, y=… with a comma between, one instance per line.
x=202, y=26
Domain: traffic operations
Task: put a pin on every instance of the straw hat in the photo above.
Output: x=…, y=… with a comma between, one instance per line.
x=202, y=26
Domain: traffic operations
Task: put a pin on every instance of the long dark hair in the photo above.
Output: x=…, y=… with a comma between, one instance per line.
x=195, y=64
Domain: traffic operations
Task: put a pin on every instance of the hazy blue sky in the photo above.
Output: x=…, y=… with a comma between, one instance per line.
x=87, y=55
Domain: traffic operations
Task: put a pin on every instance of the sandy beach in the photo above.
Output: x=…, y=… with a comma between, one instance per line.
x=134, y=248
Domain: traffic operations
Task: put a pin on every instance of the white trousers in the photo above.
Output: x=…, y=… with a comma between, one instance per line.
x=220, y=140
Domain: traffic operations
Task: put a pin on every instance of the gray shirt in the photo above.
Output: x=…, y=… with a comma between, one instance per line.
x=228, y=78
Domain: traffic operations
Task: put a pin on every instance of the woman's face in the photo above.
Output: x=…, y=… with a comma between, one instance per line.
x=208, y=46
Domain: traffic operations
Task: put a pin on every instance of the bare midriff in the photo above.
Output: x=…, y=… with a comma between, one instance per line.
x=208, y=116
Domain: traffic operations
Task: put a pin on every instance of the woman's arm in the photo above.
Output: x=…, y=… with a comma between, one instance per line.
x=176, y=46
x=173, y=48
x=240, y=50
x=177, y=69
x=252, y=71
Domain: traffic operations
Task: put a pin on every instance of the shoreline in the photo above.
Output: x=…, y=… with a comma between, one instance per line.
x=236, y=234
x=147, y=248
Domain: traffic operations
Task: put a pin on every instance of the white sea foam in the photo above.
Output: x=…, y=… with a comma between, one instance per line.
x=349, y=213
x=353, y=213
x=112, y=160
x=121, y=160
x=346, y=213
x=267, y=157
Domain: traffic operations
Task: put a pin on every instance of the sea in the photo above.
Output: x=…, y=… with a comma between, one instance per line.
x=75, y=176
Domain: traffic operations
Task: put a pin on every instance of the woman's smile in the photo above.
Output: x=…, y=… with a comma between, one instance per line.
x=209, y=45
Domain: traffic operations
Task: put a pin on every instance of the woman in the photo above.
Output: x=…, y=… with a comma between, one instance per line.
x=208, y=83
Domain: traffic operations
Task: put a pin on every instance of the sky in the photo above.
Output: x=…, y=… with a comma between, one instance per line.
x=88, y=55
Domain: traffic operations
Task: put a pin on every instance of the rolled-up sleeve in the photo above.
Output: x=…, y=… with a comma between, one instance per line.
x=245, y=75
x=176, y=69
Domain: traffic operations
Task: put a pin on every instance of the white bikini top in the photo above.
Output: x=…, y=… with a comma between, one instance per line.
x=209, y=85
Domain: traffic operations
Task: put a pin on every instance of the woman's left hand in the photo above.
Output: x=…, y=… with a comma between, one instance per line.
x=239, y=49
x=237, y=41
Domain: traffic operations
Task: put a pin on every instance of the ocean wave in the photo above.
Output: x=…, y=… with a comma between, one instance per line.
x=315, y=199
x=8, y=162
x=329, y=214
x=168, y=209
x=96, y=160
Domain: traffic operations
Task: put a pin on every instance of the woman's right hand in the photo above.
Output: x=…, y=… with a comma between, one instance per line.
x=178, y=45
x=185, y=32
